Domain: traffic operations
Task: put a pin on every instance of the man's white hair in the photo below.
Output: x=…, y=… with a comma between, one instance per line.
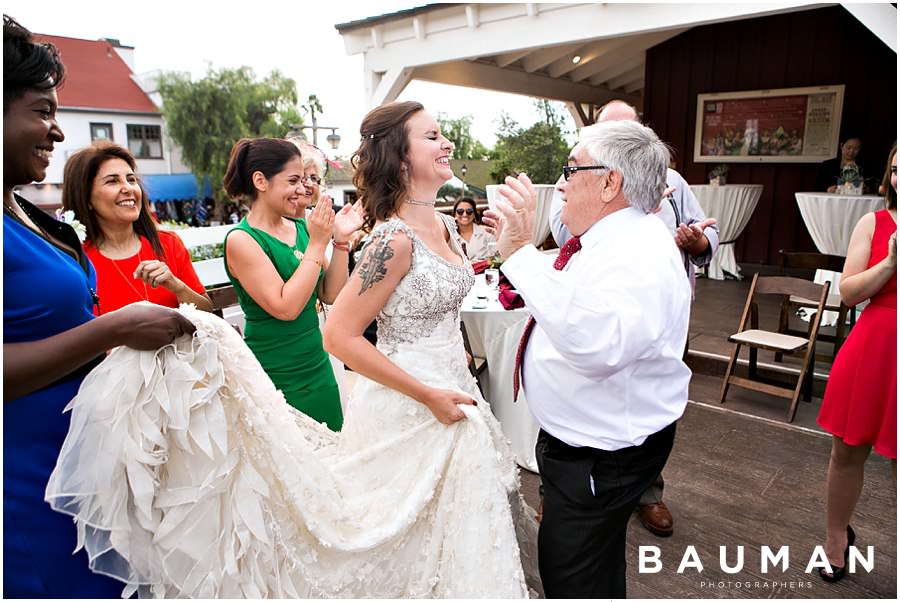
x=636, y=152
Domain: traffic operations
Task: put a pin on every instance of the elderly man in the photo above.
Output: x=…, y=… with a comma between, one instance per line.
x=601, y=362
x=697, y=237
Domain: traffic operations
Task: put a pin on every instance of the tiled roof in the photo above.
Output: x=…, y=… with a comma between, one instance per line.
x=97, y=77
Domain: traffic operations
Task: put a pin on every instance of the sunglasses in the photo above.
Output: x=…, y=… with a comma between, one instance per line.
x=568, y=170
x=465, y=211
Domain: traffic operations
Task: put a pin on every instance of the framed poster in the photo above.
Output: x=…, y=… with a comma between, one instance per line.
x=790, y=125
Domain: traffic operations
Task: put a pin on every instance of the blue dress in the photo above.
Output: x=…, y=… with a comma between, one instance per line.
x=45, y=292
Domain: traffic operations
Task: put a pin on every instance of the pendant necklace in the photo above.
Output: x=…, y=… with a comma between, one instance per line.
x=146, y=295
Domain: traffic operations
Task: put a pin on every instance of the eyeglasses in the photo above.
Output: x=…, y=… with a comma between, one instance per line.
x=465, y=211
x=568, y=170
x=313, y=179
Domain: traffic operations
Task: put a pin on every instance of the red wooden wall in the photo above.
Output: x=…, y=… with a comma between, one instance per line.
x=825, y=46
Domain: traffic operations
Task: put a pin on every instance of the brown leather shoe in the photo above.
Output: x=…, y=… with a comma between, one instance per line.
x=657, y=519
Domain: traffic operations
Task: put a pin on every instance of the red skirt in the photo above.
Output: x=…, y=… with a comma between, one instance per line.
x=860, y=404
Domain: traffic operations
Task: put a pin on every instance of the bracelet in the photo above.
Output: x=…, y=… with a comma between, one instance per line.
x=341, y=246
x=316, y=261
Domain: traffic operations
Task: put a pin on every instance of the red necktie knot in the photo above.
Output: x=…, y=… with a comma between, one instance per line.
x=572, y=246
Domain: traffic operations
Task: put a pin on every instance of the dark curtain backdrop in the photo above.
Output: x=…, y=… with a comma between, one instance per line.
x=826, y=46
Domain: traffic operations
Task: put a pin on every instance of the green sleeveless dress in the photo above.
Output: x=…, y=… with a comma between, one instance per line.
x=291, y=352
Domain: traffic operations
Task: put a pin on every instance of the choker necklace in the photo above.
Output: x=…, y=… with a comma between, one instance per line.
x=422, y=203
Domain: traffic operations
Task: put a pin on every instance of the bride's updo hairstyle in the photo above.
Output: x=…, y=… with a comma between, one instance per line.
x=380, y=163
x=265, y=155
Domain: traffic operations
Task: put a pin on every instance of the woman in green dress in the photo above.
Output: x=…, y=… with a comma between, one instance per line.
x=278, y=267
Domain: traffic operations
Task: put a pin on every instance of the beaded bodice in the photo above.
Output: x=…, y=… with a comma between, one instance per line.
x=426, y=303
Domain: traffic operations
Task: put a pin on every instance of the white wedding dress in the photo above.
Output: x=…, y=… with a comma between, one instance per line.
x=189, y=476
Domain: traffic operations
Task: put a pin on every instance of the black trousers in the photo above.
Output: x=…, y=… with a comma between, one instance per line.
x=589, y=495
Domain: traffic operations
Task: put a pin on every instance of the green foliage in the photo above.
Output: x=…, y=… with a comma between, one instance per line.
x=208, y=116
x=171, y=224
x=211, y=251
x=458, y=131
x=539, y=150
x=449, y=190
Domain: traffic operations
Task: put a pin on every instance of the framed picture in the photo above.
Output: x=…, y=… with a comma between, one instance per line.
x=790, y=125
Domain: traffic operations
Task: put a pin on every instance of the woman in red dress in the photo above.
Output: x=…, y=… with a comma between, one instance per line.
x=134, y=260
x=860, y=404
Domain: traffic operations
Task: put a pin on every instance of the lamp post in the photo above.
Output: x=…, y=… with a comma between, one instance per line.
x=464, y=170
x=333, y=138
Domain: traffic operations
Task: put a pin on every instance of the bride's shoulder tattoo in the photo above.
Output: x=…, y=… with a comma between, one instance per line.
x=373, y=268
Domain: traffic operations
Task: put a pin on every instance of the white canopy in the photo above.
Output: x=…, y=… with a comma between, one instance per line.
x=531, y=48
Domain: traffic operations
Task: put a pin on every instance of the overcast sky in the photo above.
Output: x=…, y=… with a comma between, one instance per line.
x=298, y=38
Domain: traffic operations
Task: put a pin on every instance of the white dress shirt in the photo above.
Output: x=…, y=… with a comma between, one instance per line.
x=603, y=365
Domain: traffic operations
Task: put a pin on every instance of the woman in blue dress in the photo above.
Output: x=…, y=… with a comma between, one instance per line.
x=50, y=337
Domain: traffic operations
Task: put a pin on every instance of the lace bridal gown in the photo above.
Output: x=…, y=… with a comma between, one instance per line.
x=189, y=476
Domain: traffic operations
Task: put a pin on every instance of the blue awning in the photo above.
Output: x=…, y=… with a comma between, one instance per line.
x=175, y=187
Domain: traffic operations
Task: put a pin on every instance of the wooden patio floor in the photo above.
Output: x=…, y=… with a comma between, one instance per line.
x=740, y=475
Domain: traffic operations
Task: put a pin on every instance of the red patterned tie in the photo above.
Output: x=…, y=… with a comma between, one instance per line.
x=572, y=246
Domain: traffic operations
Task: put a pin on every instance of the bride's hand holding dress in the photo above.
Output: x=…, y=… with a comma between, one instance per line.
x=444, y=404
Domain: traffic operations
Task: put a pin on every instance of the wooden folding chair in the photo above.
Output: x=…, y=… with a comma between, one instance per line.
x=754, y=338
x=790, y=305
x=477, y=365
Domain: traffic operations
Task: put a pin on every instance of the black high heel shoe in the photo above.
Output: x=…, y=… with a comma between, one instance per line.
x=839, y=572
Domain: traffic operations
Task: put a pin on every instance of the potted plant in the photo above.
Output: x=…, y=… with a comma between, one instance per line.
x=850, y=182
x=718, y=175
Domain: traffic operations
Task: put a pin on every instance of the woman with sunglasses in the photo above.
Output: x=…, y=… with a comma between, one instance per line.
x=472, y=237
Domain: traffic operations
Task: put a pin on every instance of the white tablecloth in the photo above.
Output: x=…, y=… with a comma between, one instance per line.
x=542, y=211
x=494, y=334
x=731, y=205
x=830, y=218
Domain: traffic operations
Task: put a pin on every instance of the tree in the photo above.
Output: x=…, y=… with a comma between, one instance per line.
x=449, y=190
x=539, y=150
x=458, y=131
x=208, y=116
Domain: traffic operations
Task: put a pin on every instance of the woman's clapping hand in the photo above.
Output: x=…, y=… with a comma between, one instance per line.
x=320, y=222
x=347, y=221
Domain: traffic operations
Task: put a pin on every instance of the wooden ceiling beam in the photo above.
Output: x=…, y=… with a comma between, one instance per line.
x=626, y=78
x=543, y=57
x=619, y=52
x=505, y=60
x=618, y=69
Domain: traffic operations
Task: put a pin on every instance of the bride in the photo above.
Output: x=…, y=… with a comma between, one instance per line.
x=189, y=476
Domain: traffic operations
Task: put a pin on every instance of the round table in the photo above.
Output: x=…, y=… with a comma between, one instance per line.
x=830, y=218
x=731, y=205
x=494, y=334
